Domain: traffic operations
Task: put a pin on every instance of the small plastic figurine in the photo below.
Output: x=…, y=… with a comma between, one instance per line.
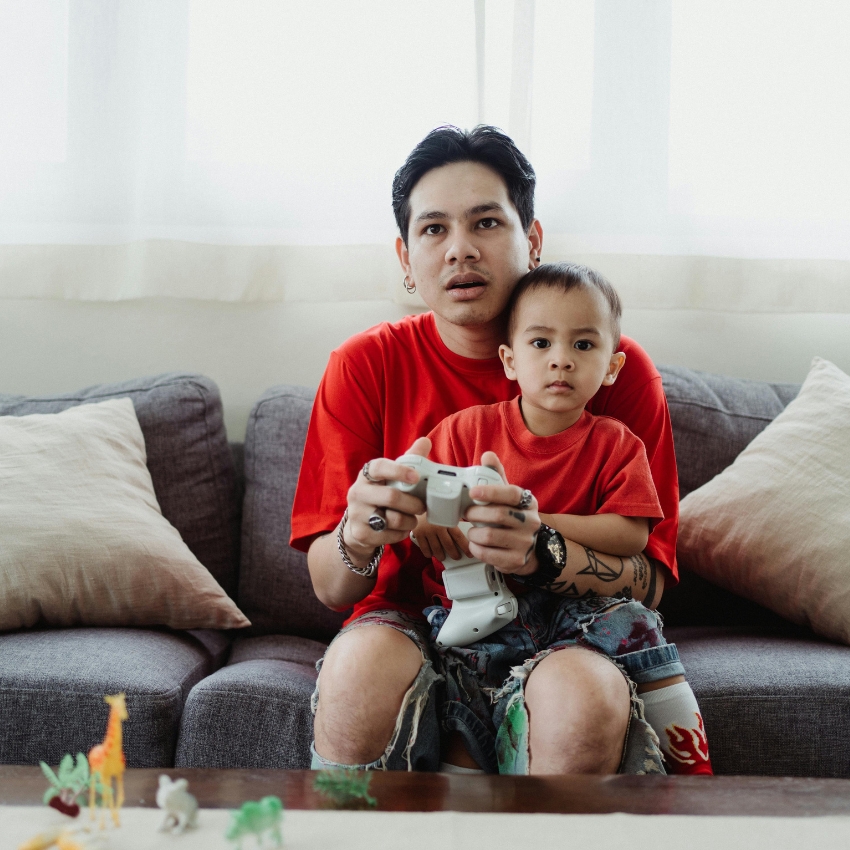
x=65, y=838
x=345, y=787
x=256, y=818
x=67, y=785
x=107, y=762
x=181, y=808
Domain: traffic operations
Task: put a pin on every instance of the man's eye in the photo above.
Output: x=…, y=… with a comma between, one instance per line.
x=434, y=229
x=540, y=343
x=488, y=223
x=584, y=345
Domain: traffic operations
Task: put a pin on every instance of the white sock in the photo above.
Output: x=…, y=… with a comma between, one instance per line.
x=674, y=714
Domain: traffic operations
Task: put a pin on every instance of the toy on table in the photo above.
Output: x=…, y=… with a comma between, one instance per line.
x=67, y=785
x=65, y=838
x=181, y=808
x=481, y=601
x=106, y=762
x=256, y=818
x=345, y=787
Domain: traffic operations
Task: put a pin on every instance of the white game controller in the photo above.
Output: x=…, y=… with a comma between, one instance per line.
x=481, y=601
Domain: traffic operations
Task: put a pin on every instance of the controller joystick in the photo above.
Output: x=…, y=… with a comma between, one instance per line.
x=481, y=601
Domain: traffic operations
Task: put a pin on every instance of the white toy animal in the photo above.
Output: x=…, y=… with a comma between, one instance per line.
x=181, y=808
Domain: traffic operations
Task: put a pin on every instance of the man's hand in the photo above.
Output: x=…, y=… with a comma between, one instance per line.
x=437, y=541
x=507, y=541
x=367, y=498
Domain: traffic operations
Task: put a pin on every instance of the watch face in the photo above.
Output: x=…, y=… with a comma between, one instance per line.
x=556, y=548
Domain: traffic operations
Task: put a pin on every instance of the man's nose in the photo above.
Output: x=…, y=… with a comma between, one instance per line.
x=462, y=249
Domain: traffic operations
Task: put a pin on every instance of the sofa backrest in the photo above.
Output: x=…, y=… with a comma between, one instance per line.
x=714, y=417
x=187, y=455
x=275, y=591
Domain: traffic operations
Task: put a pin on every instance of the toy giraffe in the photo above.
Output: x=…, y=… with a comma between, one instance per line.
x=106, y=761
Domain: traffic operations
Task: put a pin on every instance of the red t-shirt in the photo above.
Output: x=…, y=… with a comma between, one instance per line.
x=387, y=386
x=595, y=467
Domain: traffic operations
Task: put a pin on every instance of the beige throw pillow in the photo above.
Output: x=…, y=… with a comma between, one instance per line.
x=82, y=537
x=775, y=525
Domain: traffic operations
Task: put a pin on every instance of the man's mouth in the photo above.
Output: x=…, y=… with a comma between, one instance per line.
x=465, y=281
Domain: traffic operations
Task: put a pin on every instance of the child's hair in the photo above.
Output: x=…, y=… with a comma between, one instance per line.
x=566, y=277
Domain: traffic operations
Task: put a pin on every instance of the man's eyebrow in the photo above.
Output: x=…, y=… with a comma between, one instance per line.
x=489, y=206
x=431, y=214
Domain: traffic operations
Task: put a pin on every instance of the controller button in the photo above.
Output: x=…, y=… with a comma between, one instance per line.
x=503, y=608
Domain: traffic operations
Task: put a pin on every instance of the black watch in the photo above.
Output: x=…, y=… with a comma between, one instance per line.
x=551, y=554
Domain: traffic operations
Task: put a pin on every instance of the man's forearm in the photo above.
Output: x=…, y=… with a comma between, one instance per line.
x=334, y=584
x=589, y=573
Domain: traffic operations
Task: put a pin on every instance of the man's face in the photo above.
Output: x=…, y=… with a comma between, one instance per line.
x=466, y=247
x=561, y=352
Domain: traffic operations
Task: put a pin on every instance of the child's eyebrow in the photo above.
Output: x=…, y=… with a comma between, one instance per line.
x=533, y=329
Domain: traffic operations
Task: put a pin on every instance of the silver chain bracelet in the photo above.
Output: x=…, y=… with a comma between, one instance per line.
x=371, y=568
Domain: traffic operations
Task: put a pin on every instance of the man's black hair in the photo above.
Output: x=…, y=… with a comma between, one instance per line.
x=486, y=145
x=565, y=277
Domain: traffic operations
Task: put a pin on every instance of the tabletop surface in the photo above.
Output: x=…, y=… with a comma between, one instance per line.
x=430, y=792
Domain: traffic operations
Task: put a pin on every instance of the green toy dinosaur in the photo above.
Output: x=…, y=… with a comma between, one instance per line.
x=345, y=787
x=256, y=818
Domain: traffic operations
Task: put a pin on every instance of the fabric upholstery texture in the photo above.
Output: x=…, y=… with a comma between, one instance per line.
x=773, y=705
x=275, y=591
x=82, y=538
x=255, y=712
x=52, y=684
x=774, y=526
x=188, y=458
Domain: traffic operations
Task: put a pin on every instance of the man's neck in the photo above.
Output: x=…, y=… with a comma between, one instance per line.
x=478, y=342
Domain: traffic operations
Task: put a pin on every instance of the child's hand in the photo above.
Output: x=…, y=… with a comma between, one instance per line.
x=437, y=541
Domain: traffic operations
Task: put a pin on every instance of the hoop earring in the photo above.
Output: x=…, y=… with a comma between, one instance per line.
x=409, y=286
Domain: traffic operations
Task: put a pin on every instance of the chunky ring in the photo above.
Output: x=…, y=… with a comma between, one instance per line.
x=366, y=475
x=525, y=500
x=377, y=522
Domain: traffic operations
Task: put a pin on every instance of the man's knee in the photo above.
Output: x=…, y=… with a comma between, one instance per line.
x=579, y=707
x=365, y=675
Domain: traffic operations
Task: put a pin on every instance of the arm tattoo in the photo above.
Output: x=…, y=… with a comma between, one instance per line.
x=649, y=599
x=571, y=591
x=599, y=569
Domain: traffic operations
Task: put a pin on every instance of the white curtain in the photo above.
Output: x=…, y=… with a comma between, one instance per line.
x=695, y=150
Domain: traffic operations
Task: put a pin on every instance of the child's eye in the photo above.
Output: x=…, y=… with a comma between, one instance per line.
x=584, y=345
x=540, y=343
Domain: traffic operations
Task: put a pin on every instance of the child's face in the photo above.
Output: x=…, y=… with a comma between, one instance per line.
x=561, y=353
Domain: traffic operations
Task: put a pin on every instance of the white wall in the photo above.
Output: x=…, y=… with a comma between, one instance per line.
x=51, y=346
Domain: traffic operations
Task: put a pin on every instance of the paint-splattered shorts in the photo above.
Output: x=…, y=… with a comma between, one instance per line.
x=478, y=690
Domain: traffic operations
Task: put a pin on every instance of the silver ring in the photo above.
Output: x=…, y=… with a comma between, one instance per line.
x=377, y=522
x=525, y=500
x=366, y=475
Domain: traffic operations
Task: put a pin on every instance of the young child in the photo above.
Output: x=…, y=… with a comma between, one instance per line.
x=589, y=474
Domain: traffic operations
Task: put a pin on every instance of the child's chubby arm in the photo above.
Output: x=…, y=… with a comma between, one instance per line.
x=612, y=533
x=437, y=541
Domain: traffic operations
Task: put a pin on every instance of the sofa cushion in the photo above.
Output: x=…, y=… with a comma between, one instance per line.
x=52, y=684
x=187, y=455
x=715, y=417
x=255, y=712
x=773, y=705
x=275, y=591
x=82, y=537
x=775, y=525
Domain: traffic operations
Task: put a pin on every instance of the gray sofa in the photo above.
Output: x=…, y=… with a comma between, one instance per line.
x=776, y=699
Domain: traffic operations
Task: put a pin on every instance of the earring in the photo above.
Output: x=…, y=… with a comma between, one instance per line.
x=409, y=286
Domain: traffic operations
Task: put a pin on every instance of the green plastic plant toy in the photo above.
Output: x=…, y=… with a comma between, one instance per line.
x=256, y=818
x=345, y=787
x=71, y=782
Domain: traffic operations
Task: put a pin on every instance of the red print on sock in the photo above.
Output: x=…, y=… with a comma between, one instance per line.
x=688, y=749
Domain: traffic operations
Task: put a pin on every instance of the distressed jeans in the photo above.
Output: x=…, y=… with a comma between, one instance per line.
x=479, y=690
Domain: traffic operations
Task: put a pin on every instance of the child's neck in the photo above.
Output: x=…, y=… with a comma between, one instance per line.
x=546, y=423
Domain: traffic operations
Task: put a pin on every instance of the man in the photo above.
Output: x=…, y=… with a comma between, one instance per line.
x=464, y=206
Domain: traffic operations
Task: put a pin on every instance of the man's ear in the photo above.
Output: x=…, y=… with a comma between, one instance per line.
x=617, y=361
x=535, y=244
x=506, y=354
x=403, y=255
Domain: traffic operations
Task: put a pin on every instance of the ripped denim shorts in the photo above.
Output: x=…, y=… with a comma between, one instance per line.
x=478, y=690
